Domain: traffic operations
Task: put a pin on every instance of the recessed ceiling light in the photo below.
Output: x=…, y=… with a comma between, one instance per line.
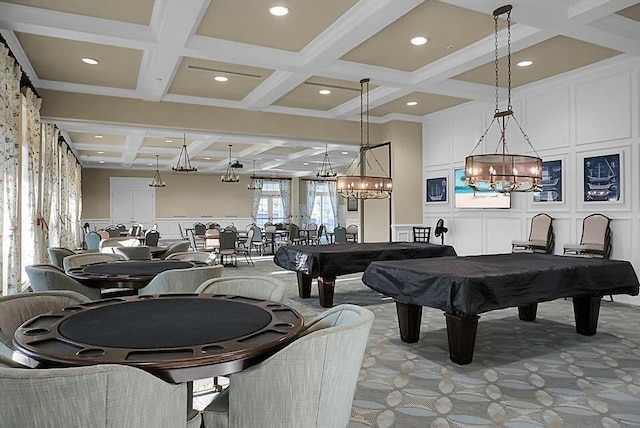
x=207, y=158
x=305, y=163
x=278, y=10
x=149, y=164
x=525, y=63
x=345, y=153
x=168, y=141
x=277, y=160
x=100, y=153
x=221, y=78
x=98, y=136
x=100, y=161
x=418, y=41
x=90, y=61
x=324, y=91
x=412, y=103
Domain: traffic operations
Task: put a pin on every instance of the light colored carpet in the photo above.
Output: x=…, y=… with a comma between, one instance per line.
x=539, y=374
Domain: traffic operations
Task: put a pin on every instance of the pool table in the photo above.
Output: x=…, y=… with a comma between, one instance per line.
x=464, y=287
x=326, y=262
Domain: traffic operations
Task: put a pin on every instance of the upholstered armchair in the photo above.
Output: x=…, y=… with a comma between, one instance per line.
x=57, y=255
x=255, y=287
x=142, y=252
x=101, y=396
x=15, y=309
x=194, y=256
x=309, y=383
x=175, y=247
x=181, y=280
x=50, y=278
x=78, y=260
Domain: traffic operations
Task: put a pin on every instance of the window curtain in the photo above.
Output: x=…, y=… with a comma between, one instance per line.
x=312, y=187
x=333, y=197
x=255, y=204
x=49, y=183
x=10, y=107
x=55, y=178
x=285, y=196
x=35, y=227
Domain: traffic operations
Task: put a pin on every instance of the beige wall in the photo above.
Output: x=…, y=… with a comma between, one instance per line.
x=186, y=194
x=406, y=147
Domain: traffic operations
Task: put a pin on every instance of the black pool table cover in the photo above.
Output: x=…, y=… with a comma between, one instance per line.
x=341, y=259
x=471, y=285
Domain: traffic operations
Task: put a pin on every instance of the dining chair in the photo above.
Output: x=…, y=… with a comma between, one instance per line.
x=254, y=287
x=98, y=396
x=310, y=382
x=352, y=233
x=199, y=229
x=83, y=259
x=192, y=240
x=340, y=235
x=421, y=234
x=243, y=249
x=142, y=252
x=180, y=280
x=212, y=240
x=541, y=237
x=16, y=309
x=181, y=231
x=92, y=240
x=50, y=278
x=256, y=240
x=57, y=255
x=294, y=234
x=151, y=238
x=595, y=240
x=228, y=247
x=207, y=257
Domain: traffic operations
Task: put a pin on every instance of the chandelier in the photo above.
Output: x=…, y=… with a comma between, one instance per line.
x=157, y=181
x=502, y=171
x=255, y=183
x=325, y=170
x=184, y=164
x=361, y=186
x=230, y=176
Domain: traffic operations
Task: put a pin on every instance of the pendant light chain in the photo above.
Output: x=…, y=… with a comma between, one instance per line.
x=509, y=59
x=495, y=19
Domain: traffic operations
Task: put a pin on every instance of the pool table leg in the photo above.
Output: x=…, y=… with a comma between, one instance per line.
x=304, y=285
x=326, y=286
x=528, y=312
x=586, y=311
x=409, y=320
x=461, y=333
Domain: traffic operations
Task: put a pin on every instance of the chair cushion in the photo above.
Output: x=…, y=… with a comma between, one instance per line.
x=216, y=415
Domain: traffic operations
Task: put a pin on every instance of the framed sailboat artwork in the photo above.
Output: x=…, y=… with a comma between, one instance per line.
x=602, y=178
x=551, y=184
x=436, y=189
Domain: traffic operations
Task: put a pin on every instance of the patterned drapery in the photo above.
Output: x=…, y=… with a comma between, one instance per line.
x=33, y=231
x=312, y=187
x=285, y=196
x=333, y=197
x=10, y=108
x=255, y=203
x=50, y=184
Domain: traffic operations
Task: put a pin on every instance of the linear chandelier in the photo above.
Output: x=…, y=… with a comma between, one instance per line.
x=157, y=181
x=325, y=170
x=362, y=186
x=230, y=176
x=502, y=171
x=255, y=183
x=184, y=163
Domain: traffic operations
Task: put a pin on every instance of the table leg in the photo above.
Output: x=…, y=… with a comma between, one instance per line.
x=326, y=286
x=191, y=412
x=528, y=312
x=461, y=333
x=586, y=311
x=409, y=320
x=304, y=285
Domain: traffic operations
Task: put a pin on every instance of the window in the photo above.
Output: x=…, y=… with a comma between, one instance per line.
x=270, y=207
x=322, y=209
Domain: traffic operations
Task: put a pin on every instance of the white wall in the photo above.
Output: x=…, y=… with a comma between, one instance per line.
x=586, y=113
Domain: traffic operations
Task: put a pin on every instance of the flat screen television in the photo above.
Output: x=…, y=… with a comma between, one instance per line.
x=466, y=197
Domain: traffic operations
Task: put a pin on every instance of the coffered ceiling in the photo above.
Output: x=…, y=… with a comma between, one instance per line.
x=236, y=55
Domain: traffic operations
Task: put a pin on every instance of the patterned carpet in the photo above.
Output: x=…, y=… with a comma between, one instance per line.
x=539, y=374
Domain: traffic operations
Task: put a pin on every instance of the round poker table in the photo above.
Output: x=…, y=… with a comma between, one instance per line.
x=176, y=337
x=126, y=273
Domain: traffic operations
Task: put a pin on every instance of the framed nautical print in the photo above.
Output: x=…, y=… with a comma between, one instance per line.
x=437, y=189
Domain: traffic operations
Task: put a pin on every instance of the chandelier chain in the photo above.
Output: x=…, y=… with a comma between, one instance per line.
x=495, y=19
x=509, y=59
